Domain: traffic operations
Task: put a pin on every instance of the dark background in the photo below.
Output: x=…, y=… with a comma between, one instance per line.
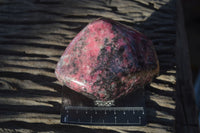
x=191, y=10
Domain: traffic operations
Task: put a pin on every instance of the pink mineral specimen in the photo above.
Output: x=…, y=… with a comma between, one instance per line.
x=107, y=60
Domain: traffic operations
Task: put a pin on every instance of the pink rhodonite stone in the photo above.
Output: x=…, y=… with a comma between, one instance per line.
x=107, y=60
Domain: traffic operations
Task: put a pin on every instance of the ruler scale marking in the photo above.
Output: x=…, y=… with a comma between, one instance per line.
x=104, y=115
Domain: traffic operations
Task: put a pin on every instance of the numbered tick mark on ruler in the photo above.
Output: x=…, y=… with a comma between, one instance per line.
x=115, y=119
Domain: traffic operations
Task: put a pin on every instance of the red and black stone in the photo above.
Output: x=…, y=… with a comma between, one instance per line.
x=107, y=60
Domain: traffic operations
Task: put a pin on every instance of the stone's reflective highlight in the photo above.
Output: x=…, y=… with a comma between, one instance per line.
x=107, y=60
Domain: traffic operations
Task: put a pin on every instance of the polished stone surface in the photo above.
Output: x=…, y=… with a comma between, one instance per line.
x=107, y=60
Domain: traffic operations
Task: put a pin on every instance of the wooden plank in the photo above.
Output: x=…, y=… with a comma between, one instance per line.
x=33, y=35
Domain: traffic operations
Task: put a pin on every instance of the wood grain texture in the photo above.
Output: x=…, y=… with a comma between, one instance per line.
x=34, y=34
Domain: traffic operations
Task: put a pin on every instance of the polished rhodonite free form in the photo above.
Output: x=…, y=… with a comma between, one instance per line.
x=107, y=60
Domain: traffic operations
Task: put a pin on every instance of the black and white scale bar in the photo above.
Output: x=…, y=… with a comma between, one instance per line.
x=118, y=116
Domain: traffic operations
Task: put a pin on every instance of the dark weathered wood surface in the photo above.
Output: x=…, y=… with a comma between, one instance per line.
x=33, y=35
